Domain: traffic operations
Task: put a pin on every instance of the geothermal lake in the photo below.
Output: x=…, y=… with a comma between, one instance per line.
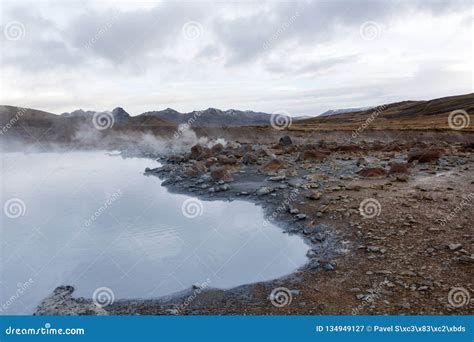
x=91, y=220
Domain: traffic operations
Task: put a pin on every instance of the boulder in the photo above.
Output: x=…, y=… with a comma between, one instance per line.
x=349, y=148
x=361, y=162
x=210, y=161
x=393, y=147
x=199, y=152
x=249, y=158
x=264, y=190
x=314, y=195
x=285, y=141
x=200, y=166
x=372, y=172
x=238, y=153
x=191, y=172
x=227, y=160
x=312, y=155
x=222, y=174
x=398, y=168
x=233, y=145
x=273, y=165
x=217, y=148
x=176, y=158
x=424, y=155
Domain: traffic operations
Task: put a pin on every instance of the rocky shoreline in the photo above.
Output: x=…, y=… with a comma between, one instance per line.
x=369, y=212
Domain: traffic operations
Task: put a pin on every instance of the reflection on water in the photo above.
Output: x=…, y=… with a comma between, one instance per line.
x=91, y=220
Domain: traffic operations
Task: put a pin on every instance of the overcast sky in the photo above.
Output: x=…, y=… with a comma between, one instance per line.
x=302, y=57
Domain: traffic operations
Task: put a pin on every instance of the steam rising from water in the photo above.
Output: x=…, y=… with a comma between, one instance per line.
x=143, y=142
x=86, y=137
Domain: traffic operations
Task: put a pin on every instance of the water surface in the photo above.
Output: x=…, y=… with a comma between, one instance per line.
x=93, y=220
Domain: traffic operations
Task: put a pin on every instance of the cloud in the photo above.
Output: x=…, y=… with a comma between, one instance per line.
x=266, y=56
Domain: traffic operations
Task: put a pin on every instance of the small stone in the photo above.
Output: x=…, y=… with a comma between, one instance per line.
x=384, y=272
x=405, y=305
x=265, y=190
x=319, y=237
x=285, y=141
x=373, y=249
x=293, y=211
x=454, y=246
x=277, y=178
x=329, y=266
x=466, y=259
x=224, y=187
x=314, y=195
x=301, y=216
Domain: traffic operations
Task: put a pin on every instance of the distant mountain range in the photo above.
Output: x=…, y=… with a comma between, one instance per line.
x=211, y=117
x=431, y=114
x=119, y=114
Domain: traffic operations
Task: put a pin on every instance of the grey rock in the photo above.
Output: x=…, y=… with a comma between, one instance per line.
x=329, y=266
x=301, y=216
x=265, y=190
x=293, y=211
x=454, y=246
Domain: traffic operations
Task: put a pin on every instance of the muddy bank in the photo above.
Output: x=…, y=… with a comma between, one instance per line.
x=383, y=240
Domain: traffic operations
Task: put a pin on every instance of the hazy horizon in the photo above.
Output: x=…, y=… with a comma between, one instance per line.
x=222, y=109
